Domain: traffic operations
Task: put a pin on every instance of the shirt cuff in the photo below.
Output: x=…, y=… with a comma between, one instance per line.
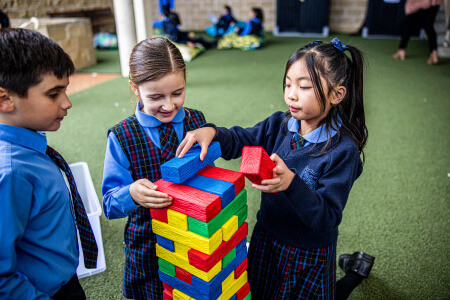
x=127, y=203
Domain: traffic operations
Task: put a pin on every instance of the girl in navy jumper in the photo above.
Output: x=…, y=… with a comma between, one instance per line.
x=136, y=148
x=316, y=147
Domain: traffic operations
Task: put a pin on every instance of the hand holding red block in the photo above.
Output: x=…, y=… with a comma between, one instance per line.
x=256, y=164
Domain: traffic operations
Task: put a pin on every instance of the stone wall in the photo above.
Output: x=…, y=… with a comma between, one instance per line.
x=347, y=16
x=73, y=35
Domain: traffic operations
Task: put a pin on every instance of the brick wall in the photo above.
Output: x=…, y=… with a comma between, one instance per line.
x=346, y=16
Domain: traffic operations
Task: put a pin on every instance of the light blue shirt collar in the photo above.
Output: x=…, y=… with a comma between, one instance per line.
x=35, y=140
x=318, y=135
x=147, y=120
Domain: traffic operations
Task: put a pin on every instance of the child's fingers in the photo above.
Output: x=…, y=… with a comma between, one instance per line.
x=187, y=145
x=181, y=147
x=272, y=181
x=204, y=151
x=266, y=188
x=150, y=202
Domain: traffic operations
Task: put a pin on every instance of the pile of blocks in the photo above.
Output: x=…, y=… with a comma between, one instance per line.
x=202, y=236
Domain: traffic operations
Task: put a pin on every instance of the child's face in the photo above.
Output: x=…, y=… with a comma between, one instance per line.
x=251, y=14
x=163, y=98
x=300, y=97
x=44, y=107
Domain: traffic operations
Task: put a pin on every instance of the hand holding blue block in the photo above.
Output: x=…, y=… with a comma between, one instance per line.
x=178, y=170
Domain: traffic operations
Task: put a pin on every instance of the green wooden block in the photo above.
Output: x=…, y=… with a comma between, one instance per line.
x=207, y=229
x=242, y=215
x=249, y=296
x=167, y=267
x=228, y=258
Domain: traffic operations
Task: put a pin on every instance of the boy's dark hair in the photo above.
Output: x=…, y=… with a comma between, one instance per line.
x=326, y=61
x=228, y=8
x=26, y=56
x=259, y=13
x=4, y=20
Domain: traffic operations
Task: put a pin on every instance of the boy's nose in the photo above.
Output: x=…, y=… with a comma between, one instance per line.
x=66, y=104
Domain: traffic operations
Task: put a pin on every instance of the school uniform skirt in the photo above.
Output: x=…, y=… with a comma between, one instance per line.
x=279, y=271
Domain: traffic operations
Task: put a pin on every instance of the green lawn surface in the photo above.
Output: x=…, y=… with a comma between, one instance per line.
x=398, y=210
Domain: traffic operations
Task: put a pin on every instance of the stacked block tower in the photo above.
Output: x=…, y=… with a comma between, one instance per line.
x=202, y=236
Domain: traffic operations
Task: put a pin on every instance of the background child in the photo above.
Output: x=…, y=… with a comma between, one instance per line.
x=136, y=148
x=316, y=146
x=254, y=25
x=224, y=22
x=38, y=238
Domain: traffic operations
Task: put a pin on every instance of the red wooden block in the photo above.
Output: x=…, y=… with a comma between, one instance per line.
x=167, y=287
x=256, y=164
x=159, y=214
x=240, y=269
x=195, y=203
x=167, y=295
x=243, y=291
x=183, y=275
x=205, y=262
x=233, y=177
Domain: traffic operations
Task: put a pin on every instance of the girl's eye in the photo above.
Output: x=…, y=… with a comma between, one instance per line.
x=287, y=85
x=305, y=87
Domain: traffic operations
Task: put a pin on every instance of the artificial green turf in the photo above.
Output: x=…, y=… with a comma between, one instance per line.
x=398, y=209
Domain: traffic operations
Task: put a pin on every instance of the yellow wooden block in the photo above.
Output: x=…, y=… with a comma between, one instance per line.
x=177, y=295
x=182, y=262
x=230, y=228
x=228, y=282
x=235, y=286
x=177, y=219
x=182, y=249
x=188, y=238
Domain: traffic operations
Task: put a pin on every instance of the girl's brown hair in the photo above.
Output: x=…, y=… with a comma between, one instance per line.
x=154, y=58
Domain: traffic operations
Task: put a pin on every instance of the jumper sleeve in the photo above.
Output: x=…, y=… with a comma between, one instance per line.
x=117, y=201
x=16, y=200
x=321, y=209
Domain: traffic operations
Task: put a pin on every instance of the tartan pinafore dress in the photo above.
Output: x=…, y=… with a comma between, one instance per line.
x=141, y=280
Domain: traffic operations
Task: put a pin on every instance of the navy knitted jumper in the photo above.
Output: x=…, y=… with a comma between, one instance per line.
x=308, y=212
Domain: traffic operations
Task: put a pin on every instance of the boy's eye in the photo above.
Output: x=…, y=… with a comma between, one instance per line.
x=53, y=95
x=155, y=97
x=287, y=85
x=177, y=94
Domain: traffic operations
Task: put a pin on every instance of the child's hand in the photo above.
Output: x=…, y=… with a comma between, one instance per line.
x=203, y=136
x=144, y=193
x=281, y=178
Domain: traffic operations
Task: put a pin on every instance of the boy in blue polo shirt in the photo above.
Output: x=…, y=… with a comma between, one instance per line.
x=39, y=215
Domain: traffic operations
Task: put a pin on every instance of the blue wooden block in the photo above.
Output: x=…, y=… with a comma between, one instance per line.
x=234, y=297
x=165, y=243
x=187, y=288
x=218, y=187
x=215, y=284
x=178, y=170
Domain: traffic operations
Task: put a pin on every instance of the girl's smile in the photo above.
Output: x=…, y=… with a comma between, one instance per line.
x=163, y=98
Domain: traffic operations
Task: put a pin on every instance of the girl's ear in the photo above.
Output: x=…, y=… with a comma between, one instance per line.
x=6, y=101
x=134, y=87
x=338, y=95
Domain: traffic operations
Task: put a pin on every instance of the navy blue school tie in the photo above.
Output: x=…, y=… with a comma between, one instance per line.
x=168, y=140
x=297, y=141
x=88, y=244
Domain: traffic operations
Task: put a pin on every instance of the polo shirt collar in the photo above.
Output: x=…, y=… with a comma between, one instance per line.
x=318, y=135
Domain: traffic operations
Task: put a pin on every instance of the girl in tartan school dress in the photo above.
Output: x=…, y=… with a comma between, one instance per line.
x=136, y=148
x=316, y=147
